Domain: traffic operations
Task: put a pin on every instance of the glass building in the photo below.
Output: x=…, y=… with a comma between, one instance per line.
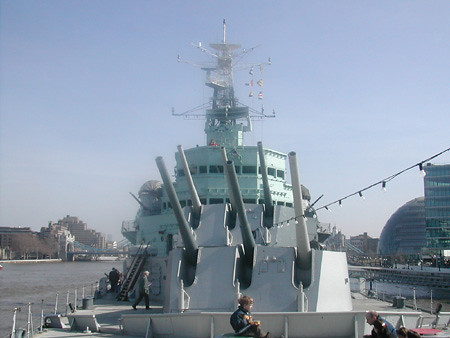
x=404, y=232
x=437, y=207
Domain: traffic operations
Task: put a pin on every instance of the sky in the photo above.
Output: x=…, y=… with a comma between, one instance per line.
x=360, y=89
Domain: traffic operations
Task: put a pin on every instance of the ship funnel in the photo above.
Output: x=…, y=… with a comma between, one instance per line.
x=196, y=204
x=237, y=204
x=268, y=203
x=185, y=229
x=301, y=231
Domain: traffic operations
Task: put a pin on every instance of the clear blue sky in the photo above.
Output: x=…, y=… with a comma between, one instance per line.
x=361, y=90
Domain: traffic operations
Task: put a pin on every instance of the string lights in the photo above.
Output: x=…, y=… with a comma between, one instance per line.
x=383, y=182
x=359, y=192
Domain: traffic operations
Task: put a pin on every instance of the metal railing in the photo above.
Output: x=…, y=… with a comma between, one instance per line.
x=90, y=290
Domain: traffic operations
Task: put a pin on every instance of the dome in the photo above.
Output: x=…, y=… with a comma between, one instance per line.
x=404, y=232
x=151, y=187
x=150, y=197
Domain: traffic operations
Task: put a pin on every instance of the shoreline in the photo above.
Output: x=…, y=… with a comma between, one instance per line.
x=18, y=261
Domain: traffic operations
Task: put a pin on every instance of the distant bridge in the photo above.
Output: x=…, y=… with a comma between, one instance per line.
x=428, y=277
x=83, y=249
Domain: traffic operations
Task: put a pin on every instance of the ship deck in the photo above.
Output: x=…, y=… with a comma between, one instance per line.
x=109, y=313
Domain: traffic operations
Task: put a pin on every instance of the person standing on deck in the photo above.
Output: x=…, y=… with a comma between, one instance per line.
x=144, y=291
x=114, y=279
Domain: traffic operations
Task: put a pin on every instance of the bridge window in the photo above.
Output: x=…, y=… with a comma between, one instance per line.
x=249, y=200
x=193, y=170
x=216, y=169
x=288, y=204
x=203, y=201
x=249, y=169
x=215, y=200
x=280, y=203
x=260, y=201
x=238, y=169
x=183, y=203
x=164, y=206
x=203, y=169
x=189, y=202
x=271, y=171
x=180, y=172
x=280, y=173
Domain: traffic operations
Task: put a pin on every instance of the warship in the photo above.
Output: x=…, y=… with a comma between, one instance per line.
x=230, y=225
x=231, y=221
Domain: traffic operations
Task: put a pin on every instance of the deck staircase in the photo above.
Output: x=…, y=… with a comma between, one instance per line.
x=133, y=272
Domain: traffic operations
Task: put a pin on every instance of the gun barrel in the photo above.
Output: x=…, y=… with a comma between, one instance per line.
x=267, y=194
x=238, y=204
x=140, y=203
x=301, y=231
x=185, y=230
x=196, y=204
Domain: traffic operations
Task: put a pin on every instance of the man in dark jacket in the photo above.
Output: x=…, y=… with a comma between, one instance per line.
x=114, y=279
x=381, y=327
x=144, y=291
x=242, y=322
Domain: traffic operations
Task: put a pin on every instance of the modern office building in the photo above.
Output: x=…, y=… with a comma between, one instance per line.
x=404, y=232
x=437, y=207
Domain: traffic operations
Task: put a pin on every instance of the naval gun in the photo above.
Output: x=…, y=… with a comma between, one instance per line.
x=301, y=231
x=237, y=204
x=185, y=230
x=196, y=204
x=268, y=202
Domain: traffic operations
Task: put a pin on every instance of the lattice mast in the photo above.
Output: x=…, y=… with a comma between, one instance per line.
x=222, y=127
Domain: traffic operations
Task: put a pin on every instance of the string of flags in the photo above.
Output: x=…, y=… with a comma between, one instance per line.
x=359, y=192
x=260, y=83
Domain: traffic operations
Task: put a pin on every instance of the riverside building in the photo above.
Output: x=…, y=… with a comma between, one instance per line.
x=437, y=208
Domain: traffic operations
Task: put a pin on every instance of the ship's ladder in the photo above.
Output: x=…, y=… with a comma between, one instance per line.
x=133, y=272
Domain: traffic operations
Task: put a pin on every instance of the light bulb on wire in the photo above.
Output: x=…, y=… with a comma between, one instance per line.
x=422, y=171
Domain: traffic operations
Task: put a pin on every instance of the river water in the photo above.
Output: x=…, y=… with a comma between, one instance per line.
x=23, y=283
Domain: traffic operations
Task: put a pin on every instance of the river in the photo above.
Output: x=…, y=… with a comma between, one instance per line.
x=23, y=283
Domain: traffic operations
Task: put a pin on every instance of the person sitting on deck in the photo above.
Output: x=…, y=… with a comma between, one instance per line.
x=242, y=322
x=381, y=327
x=213, y=143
